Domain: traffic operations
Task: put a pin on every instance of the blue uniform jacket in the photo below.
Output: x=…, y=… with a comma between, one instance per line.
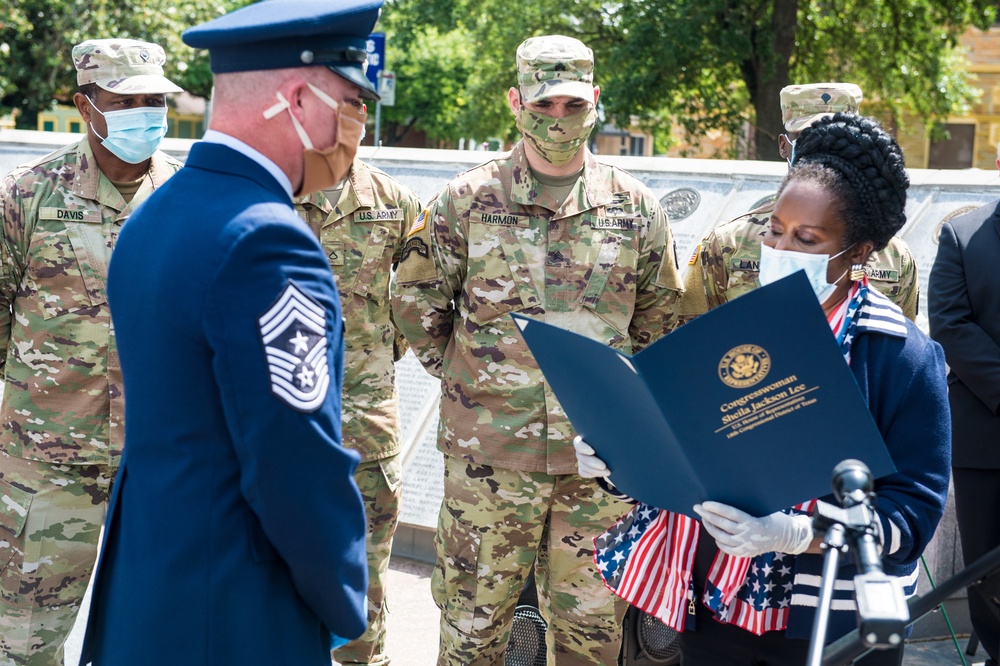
x=235, y=533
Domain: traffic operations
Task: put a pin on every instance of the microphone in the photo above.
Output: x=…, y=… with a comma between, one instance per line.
x=853, y=487
x=852, y=483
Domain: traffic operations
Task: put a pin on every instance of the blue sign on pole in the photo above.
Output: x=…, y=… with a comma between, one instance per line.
x=375, y=47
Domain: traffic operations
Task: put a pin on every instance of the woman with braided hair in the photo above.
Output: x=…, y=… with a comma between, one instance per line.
x=744, y=590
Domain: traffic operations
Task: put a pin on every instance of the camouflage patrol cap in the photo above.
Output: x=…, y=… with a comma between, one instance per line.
x=801, y=105
x=124, y=66
x=555, y=65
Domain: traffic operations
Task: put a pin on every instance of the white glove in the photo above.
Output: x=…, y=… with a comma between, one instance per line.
x=742, y=535
x=587, y=462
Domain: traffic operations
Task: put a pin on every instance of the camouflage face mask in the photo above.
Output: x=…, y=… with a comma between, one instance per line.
x=557, y=140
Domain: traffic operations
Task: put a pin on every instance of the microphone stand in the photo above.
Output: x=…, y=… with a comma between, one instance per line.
x=833, y=543
x=882, y=611
x=851, y=646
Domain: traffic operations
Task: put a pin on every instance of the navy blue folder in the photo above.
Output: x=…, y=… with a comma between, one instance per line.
x=750, y=404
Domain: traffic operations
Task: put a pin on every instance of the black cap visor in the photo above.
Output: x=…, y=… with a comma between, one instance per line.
x=356, y=76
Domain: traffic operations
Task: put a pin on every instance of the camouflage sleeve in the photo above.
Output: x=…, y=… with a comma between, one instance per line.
x=909, y=288
x=13, y=249
x=431, y=270
x=410, y=204
x=713, y=272
x=658, y=290
x=694, y=302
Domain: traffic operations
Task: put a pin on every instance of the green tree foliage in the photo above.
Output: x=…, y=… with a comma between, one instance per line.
x=721, y=63
x=431, y=75
x=467, y=46
x=707, y=64
x=37, y=36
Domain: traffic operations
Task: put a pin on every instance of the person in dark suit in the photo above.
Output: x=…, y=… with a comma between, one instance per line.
x=236, y=533
x=963, y=298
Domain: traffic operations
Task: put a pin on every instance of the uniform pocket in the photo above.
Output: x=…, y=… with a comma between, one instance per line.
x=610, y=291
x=14, y=508
x=13, y=517
x=498, y=280
x=68, y=269
x=372, y=280
x=454, y=579
x=392, y=471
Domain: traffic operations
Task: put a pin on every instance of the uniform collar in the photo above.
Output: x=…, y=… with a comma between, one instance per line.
x=590, y=192
x=90, y=183
x=215, y=136
x=880, y=315
x=358, y=193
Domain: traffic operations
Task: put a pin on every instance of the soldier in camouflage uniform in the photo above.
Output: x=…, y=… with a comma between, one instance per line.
x=726, y=262
x=548, y=231
x=61, y=429
x=362, y=227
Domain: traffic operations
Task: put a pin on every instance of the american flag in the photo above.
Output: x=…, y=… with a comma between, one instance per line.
x=843, y=321
x=761, y=603
x=646, y=558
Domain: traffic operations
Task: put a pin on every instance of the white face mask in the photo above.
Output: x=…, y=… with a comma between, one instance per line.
x=133, y=134
x=777, y=264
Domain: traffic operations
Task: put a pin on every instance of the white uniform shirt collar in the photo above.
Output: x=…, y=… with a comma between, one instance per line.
x=215, y=136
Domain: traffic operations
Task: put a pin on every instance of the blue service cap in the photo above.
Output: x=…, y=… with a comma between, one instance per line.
x=275, y=34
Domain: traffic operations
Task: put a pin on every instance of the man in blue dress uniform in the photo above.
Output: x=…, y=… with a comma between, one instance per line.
x=235, y=533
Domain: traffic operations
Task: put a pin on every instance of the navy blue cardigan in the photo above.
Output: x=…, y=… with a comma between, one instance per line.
x=901, y=374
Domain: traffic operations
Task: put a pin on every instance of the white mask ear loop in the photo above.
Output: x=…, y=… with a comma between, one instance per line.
x=846, y=271
x=280, y=106
x=329, y=101
x=102, y=138
x=333, y=104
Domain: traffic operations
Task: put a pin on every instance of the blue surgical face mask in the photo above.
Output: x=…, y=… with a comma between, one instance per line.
x=776, y=264
x=133, y=134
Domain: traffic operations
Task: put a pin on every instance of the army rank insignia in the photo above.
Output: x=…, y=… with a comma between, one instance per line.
x=294, y=334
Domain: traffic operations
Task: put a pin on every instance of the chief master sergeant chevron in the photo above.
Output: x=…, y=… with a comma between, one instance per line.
x=61, y=435
x=548, y=231
x=235, y=533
